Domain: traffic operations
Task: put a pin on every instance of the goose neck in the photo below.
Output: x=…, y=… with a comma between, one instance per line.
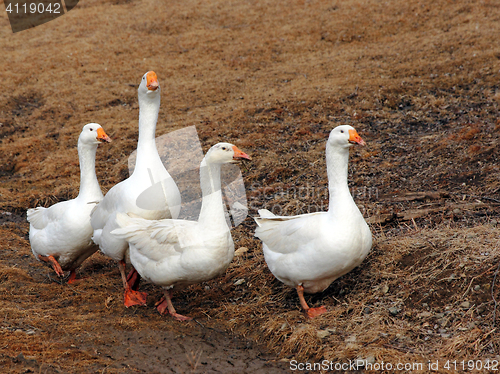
x=212, y=209
x=89, y=186
x=149, y=107
x=337, y=168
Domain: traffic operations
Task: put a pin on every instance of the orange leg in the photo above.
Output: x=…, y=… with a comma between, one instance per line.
x=131, y=297
x=311, y=312
x=72, y=277
x=54, y=263
x=165, y=304
x=133, y=279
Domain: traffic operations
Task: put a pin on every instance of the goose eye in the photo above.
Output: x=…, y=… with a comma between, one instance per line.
x=341, y=131
x=91, y=129
x=224, y=148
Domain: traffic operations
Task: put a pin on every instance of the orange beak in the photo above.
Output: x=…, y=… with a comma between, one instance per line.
x=152, y=81
x=240, y=154
x=354, y=138
x=102, y=136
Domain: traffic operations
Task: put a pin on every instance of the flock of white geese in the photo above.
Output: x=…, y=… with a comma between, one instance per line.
x=306, y=252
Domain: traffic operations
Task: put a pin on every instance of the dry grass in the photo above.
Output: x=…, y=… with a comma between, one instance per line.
x=422, y=294
x=419, y=81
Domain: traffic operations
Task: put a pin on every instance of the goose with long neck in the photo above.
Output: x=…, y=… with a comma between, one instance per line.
x=176, y=253
x=87, y=149
x=149, y=107
x=308, y=252
x=123, y=197
x=61, y=234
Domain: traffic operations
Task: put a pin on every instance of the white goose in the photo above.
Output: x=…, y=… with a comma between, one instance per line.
x=123, y=197
x=177, y=253
x=309, y=251
x=61, y=234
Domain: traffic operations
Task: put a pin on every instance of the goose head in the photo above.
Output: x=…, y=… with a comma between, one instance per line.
x=344, y=136
x=93, y=133
x=149, y=84
x=223, y=153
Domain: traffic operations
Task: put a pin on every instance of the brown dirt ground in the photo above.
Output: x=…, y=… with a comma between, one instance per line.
x=420, y=82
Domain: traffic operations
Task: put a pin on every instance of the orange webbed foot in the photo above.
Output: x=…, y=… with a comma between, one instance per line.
x=180, y=317
x=165, y=306
x=311, y=312
x=314, y=312
x=132, y=297
x=73, y=280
